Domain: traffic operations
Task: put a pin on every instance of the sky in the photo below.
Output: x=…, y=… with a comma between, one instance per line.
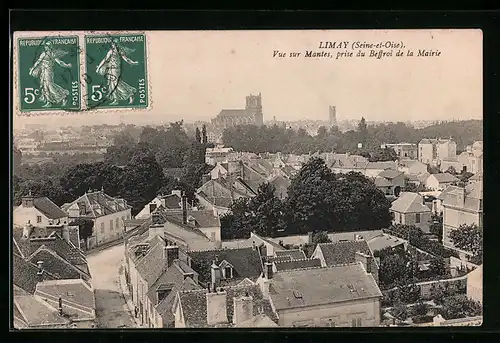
x=195, y=74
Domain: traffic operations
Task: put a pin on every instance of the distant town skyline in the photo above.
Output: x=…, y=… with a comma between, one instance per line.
x=194, y=75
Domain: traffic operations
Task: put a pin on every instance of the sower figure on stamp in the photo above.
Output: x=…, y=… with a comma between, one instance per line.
x=43, y=69
x=110, y=67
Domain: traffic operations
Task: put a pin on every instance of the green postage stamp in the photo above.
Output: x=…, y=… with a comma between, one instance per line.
x=115, y=71
x=49, y=73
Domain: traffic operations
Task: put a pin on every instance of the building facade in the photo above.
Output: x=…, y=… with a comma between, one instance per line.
x=251, y=114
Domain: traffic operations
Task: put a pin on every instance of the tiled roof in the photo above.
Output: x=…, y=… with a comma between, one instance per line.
x=202, y=218
x=295, y=254
x=447, y=191
x=423, y=177
x=98, y=204
x=445, y=177
x=476, y=177
x=390, y=174
x=37, y=313
x=280, y=182
x=194, y=304
x=382, y=182
x=172, y=201
x=226, y=113
x=216, y=201
x=48, y=208
x=409, y=202
x=349, y=236
x=192, y=237
x=246, y=262
x=343, y=252
x=24, y=274
x=164, y=307
x=77, y=297
x=412, y=177
x=291, y=289
x=153, y=264
x=57, y=266
x=297, y=264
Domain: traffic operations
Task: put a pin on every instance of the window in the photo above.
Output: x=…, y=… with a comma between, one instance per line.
x=212, y=236
x=356, y=322
x=111, y=224
x=102, y=228
x=417, y=218
x=117, y=223
x=228, y=272
x=38, y=219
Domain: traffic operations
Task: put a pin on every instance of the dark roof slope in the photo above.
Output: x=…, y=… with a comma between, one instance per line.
x=48, y=208
x=24, y=274
x=246, y=262
x=297, y=264
x=343, y=252
x=294, y=254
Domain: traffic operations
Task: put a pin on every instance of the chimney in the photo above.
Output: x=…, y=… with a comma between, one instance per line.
x=39, y=273
x=243, y=309
x=170, y=254
x=215, y=272
x=60, y=306
x=364, y=259
x=184, y=208
x=310, y=237
x=268, y=270
x=253, y=245
x=28, y=200
x=216, y=307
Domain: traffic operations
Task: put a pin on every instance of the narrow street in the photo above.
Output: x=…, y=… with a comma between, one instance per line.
x=111, y=309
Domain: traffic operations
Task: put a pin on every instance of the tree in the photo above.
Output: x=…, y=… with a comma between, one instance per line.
x=451, y=170
x=468, y=238
x=322, y=132
x=237, y=223
x=85, y=228
x=420, y=309
x=266, y=211
x=363, y=131
x=321, y=237
x=460, y=307
x=198, y=136
x=204, y=138
x=437, y=266
x=436, y=226
x=382, y=155
x=16, y=158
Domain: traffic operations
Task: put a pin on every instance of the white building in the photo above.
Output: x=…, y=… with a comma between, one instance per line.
x=170, y=202
x=39, y=212
x=106, y=212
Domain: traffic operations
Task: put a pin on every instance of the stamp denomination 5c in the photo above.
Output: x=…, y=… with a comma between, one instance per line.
x=49, y=73
x=115, y=71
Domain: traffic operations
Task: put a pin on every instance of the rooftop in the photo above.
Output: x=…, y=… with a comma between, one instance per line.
x=343, y=252
x=445, y=177
x=292, y=289
x=297, y=264
x=409, y=202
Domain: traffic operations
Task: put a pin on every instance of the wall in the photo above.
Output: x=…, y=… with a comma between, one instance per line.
x=410, y=219
x=145, y=213
x=110, y=233
x=207, y=231
x=341, y=313
x=425, y=153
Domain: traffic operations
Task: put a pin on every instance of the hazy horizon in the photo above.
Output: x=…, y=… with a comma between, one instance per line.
x=193, y=75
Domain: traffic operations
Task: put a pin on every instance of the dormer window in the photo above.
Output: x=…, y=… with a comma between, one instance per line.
x=228, y=272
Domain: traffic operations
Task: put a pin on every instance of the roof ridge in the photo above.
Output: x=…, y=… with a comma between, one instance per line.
x=221, y=249
x=296, y=260
x=303, y=268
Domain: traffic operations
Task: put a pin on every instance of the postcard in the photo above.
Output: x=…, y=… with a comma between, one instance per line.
x=247, y=179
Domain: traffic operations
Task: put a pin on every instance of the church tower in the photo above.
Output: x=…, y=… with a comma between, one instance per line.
x=332, y=116
x=254, y=107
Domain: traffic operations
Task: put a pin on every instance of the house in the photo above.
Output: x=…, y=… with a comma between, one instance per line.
x=409, y=209
x=171, y=202
x=343, y=295
x=462, y=206
x=280, y=184
x=412, y=179
x=433, y=151
x=413, y=167
x=476, y=178
x=475, y=284
x=345, y=252
x=107, y=213
x=233, y=306
x=403, y=150
x=49, y=294
x=57, y=253
x=373, y=169
x=472, y=159
x=391, y=182
x=38, y=211
x=384, y=241
x=440, y=181
x=437, y=205
x=219, y=171
x=219, y=194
